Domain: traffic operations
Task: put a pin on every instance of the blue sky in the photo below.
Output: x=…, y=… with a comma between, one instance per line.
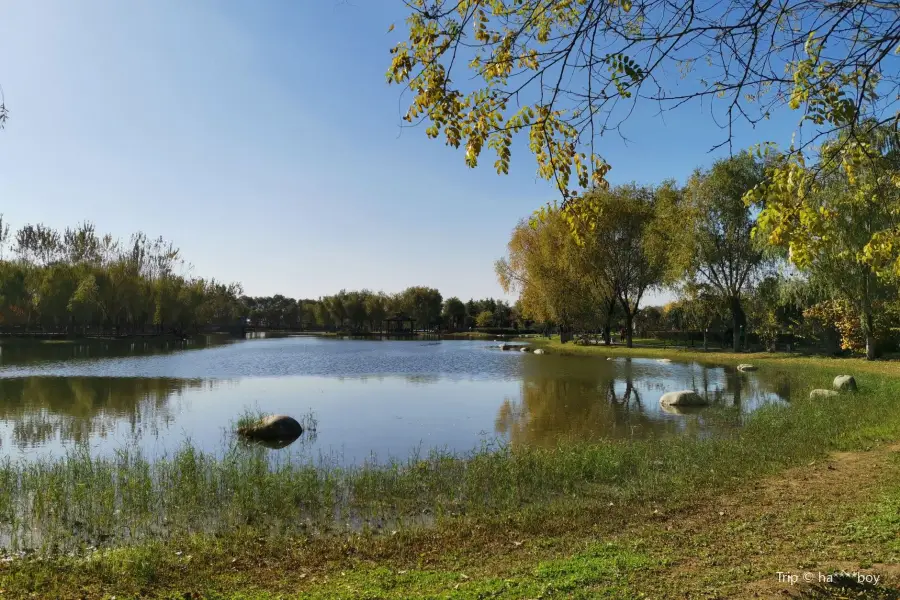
x=262, y=139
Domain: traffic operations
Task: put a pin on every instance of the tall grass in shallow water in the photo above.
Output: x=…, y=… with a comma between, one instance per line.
x=78, y=500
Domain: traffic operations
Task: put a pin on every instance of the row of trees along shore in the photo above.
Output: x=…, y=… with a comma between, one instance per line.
x=722, y=242
x=365, y=311
x=80, y=282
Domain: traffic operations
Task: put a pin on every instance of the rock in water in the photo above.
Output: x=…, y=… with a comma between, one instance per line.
x=746, y=368
x=822, y=394
x=539, y=351
x=683, y=398
x=664, y=360
x=272, y=428
x=844, y=383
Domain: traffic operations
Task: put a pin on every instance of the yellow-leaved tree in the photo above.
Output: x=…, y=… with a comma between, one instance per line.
x=839, y=219
x=562, y=73
x=543, y=268
x=628, y=244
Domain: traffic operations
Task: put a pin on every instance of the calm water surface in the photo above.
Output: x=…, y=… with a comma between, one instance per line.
x=372, y=399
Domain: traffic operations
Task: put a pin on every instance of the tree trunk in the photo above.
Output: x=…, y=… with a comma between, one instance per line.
x=607, y=331
x=867, y=322
x=871, y=352
x=869, y=331
x=738, y=320
x=629, y=337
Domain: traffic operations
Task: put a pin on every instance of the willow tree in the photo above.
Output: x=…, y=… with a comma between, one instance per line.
x=422, y=303
x=543, y=268
x=839, y=219
x=726, y=257
x=78, y=281
x=633, y=241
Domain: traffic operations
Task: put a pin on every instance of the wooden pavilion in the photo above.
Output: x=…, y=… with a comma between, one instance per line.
x=397, y=325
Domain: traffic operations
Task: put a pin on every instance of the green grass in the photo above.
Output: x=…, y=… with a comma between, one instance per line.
x=251, y=416
x=473, y=335
x=602, y=567
x=879, y=526
x=809, y=364
x=248, y=418
x=217, y=522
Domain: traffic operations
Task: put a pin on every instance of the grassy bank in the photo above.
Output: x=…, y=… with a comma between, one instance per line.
x=500, y=523
x=471, y=335
x=776, y=360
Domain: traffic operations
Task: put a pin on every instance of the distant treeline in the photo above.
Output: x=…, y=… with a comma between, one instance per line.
x=365, y=311
x=77, y=281
x=82, y=283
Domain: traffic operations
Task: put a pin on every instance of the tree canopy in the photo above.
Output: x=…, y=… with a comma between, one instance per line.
x=838, y=219
x=626, y=248
x=725, y=255
x=568, y=71
x=79, y=281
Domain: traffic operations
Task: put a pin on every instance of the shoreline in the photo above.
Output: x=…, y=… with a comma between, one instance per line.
x=889, y=367
x=62, y=338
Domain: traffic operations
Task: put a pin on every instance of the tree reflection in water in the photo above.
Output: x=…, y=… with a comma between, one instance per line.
x=564, y=398
x=75, y=409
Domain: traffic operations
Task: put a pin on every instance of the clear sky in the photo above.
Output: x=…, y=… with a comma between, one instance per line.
x=262, y=139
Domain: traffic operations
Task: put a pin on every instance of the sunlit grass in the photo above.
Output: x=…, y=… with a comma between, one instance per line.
x=783, y=360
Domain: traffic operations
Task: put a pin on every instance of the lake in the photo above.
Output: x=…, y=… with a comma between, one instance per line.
x=373, y=400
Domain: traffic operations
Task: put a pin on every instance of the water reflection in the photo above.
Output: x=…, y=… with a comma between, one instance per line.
x=77, y=409
x=386, y=399
x=20, y=351
x=561, y=397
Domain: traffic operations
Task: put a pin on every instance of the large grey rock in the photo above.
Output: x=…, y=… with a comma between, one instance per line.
x=745, y=368
x=272, y=428
x=822, y=394
x=683, y=398
x=844, y=383
x=539, y=351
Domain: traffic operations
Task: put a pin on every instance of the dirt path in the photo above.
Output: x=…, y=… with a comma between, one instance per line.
x=779, y=537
